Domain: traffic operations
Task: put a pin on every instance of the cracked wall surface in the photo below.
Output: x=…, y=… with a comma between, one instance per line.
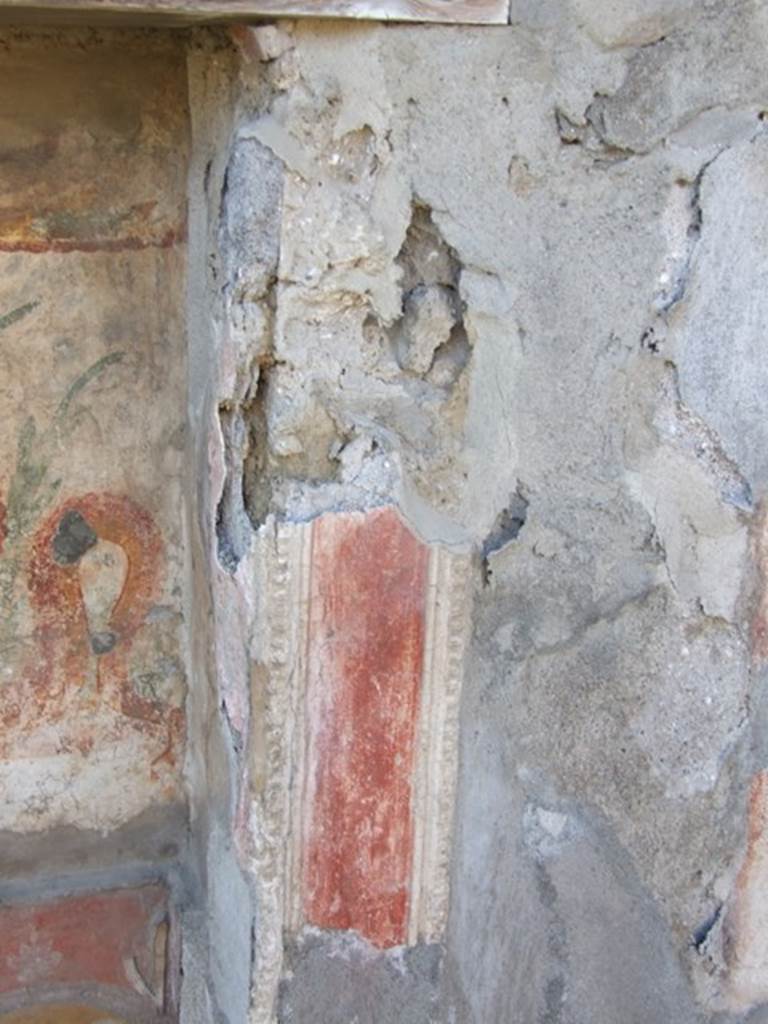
x=510, y=282
x=473, y=549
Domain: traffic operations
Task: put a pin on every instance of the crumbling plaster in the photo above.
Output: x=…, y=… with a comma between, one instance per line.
x=574, y=398
x=508, y=280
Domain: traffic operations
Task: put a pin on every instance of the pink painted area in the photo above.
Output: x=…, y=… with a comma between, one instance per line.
x=365, y=657
x=107, y=938
x=746, y=919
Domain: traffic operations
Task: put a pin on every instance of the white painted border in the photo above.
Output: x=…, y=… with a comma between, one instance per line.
x=283, y=574
x=436, y=769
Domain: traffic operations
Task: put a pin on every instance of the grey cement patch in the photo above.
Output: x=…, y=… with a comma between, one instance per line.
x=157, y=836
x=339, y=979
x=229, y=932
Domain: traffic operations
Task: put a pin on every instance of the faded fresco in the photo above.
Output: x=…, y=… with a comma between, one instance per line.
x=87, y=159
x=92, y=222
x=113, y=950
x=366, y=642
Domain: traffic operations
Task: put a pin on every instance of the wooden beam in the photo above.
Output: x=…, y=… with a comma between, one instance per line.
x=189, y=12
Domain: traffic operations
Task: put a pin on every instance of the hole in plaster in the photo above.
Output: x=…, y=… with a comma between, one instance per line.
x=704, y=930
x=429, y=340
x=232, y=527
x=246, y=493
x=650, y=341
x=507, y=527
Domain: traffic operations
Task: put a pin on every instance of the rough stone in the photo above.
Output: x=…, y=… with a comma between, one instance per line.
x=507, y=319
x=337, y=978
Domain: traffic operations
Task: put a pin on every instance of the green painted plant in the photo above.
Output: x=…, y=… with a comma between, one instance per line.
x=31, y=489
x=8, y=319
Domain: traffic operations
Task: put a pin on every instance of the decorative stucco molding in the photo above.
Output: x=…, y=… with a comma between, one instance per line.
x=363, y=631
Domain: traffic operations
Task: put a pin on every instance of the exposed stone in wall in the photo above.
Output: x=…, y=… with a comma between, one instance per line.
x=474, y=406
x=492, y=306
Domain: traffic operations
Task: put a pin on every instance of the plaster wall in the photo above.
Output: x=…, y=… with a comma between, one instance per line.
x=498, y=293
x=92, y=216
x=93, y=158
x=513, y=289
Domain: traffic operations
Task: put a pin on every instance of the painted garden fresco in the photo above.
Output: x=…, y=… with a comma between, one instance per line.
x=91, y=673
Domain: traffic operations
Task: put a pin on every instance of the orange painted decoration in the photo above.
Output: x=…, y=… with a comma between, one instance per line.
x=62, y=631
x=365, y=658
x=62, y=642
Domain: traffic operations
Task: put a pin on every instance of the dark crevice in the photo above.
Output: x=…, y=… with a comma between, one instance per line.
x=429, y=339
x=246, y=493
x=507, y=527
x=676, y=292
x=224, y=194
x=231, y=541
x=653, y=337
x=257, y=490
x=256, y=474
x=235, y=734
x=701, y=934
x=252, y=182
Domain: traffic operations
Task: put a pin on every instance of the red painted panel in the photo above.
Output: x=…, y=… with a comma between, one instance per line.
x=365, y=657
x=113, y=938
